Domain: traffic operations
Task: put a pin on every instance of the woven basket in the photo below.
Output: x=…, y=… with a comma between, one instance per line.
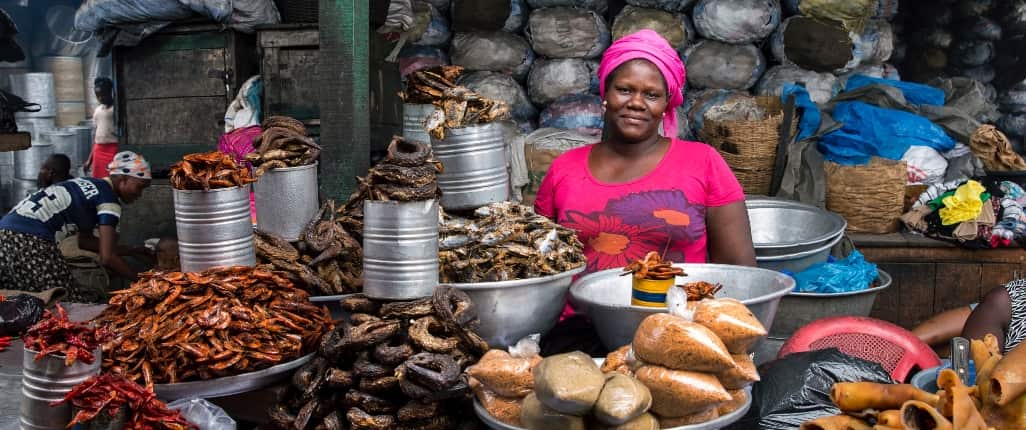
x=749, y=147
x=870, y=197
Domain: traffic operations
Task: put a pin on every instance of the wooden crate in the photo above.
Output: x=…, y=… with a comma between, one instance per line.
x=288, y=64
x=173, y=89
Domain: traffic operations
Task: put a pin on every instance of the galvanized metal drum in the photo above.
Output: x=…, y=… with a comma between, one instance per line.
x=70, y=113
x=286, y=200
x=475, y=166
x=35, y=88
x=36, y=125
x=19, y=189
x=400, y=249
x=67, y=77
x=28, y=161
x=64, y=142
x=214, y=228
x=413, y=121
x=47, y=380
x=83, y=141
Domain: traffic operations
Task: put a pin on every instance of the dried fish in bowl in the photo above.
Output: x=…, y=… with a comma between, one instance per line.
x=207, y=171
x=283, y=143
x=505, y=241
x=408, y=173
x=459, y=106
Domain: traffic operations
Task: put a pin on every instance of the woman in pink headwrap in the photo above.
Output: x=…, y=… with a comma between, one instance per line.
x=635, y=191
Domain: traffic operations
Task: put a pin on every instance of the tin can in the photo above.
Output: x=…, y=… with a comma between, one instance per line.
x=650, y=293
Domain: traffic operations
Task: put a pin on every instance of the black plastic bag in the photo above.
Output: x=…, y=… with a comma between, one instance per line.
x=796, y=388
x=18, y=313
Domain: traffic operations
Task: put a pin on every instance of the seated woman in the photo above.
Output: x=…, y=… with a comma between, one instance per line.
x=1001, y=313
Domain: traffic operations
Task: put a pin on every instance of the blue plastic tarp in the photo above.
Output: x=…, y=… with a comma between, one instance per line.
x=810, y=116
x=852, y=273
x=917, y=94
x=869, y=131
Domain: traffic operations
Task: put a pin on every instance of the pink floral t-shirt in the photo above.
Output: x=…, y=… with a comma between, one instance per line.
x=661, y=211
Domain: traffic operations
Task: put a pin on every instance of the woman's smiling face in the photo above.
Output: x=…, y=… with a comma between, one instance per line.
x=635, y=100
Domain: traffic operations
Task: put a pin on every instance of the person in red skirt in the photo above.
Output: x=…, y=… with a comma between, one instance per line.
x=105, y=142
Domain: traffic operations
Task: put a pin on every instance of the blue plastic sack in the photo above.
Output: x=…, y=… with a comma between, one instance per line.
x=917, y=94
x=852, y=273
x=870, y=131
x=810, y=118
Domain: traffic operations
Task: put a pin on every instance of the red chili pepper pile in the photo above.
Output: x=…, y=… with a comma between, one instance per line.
x=57, y=335
x=111, y=393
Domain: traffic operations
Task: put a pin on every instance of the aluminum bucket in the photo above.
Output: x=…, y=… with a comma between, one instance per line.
x=47, y=380
x=784, y=227
x=413, y=121
x=34, y=126
x=35, y=88
x=64, y=142
x=606, y=296
x=799, y=261
x=475, y=173
x=501, y=306
x=28, y=161
x=286, y=200
x=400, y=249
x=83, y=141
x=215, y=228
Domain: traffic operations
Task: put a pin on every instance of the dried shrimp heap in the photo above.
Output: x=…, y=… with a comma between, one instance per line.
x=460, y=107
x=174, y=327
x=207, y=171
x=392, y=365
x=109, y=393
x=328, y=260
x=283, y=143
x=504, y=241
x=653, y=268
x=56, y=335
x=408, y=173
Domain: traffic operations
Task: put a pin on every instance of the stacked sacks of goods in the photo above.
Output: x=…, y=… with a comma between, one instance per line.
x=973, y=50
x=727, y=57
x=428, y=39
x=1009, y=63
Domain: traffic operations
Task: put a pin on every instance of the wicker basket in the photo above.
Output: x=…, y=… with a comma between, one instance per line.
x=749, y=147
x=298, y=11
x=870, y=197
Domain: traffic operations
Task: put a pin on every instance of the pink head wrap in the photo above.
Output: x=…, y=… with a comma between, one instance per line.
x=648, y=45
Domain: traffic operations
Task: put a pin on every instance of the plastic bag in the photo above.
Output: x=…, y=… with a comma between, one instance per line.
x=819, y=46
x=568, y=383
x=504, y=409
x=916, y=94
x=493, y=51
x=535, y=415
x=528, y=347
x=706, y=68
x=674, y=6
x=875, y=43
x=732, y=322
x=95, y=15
x=18, y=313
x=736, y=21
x=623, y=399
x=970, y=53
x=553, y=78
x=852, y=273
x=206, y=415
x=689, y=420
x=567, y=33
x=435, y=26
x=480, y=15
x=580, y=112
x=673, y=27
x=796, y=388
x=506, y=376
x=925, y=165
x=599, y=6
x=499, y=86
x=869, y=131
x=741, y=375
x=413, y=58
x=738, y=399
x=678, y=393
x=1013, y=124
x=821, y=86
x=671, y=341
x=247, y=14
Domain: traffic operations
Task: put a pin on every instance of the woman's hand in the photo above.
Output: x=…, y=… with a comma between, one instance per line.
x=729, y=235
x=109, y=257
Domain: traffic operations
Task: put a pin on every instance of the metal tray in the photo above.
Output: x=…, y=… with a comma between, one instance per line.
x=715, y=424
x=229, y=385
x=334, y=304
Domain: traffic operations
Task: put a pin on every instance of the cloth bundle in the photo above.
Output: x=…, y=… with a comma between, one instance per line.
x=965, y=213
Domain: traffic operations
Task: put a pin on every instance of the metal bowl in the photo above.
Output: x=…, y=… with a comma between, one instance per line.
x=334, y=304
x=606, y=296
x=510, y=310
x=784, y=227
x=804, y=308
x=230, y=385
x=798, y=261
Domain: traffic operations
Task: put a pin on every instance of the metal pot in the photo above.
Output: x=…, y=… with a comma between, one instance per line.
x=606, y=296
x=413, y=121
x=784, y=227
x=798, y=261
x=475, y=166
x=400, y=249
x=286, y=200
x=47, y=380
x=35, y=88
x=511, y=310
x=215, y=228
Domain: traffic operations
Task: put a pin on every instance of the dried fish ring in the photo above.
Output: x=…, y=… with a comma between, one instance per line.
x=472, y=341
x=416, y=391
x=453, y=307
x=368, y=402
x=392, y=355
x=434, y=423
x=331, y=346
x=435, y=372
x=408, y=152
x=371, y=333
x=360, y=420
x=281, y=417
x=410, y=176
x=286, y=122
x=338, y=378
x=380, y=385
x=412, y=309
x=358, y=319
x=358, y=303
x=304, y=377
x=420, y=334
x=368, y=369
x=418, y=410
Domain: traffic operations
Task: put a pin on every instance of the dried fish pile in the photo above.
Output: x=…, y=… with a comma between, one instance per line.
x=331, y=260
x=393, y=365
x=505, y=241
x=57, y=335
x=109, y=393
x=460, y=107
x=408, y=173
x=283, y=143
x=207, y=171
x=653, y=268
x=174, y=327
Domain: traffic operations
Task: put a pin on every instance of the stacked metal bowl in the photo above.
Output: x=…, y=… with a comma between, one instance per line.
x=792, y=236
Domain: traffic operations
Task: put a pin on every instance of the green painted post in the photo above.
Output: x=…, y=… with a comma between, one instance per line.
x=344, y=96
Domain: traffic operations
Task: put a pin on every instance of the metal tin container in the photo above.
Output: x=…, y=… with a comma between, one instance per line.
x=400, y=249
x=413, y=121
x=798, y=261
x=28, y=161
x=64, y=142
x=501, y=306
x=35, y=88
x=286, y=200
x=214, y=227
x=784, y=227
x=606, y=296
x=475, y=173
x=34, y=126
x=83, y=141
x=19, y=189
x=47, y=380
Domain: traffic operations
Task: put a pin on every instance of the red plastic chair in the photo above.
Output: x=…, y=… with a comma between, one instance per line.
x=896, y=349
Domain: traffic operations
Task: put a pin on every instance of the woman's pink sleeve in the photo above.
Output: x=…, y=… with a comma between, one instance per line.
x=722, y=187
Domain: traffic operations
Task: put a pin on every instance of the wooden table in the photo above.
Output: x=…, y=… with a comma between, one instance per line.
x=931, y=276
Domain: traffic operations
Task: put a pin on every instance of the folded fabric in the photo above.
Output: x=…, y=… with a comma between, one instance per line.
x=964, y=205
x=1013, y=191
x=970, y=230
x=915, y=219
x=994, y=149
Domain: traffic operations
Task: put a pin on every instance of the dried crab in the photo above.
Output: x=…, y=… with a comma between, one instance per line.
x=209, y=170
x=460, y=107
x=653, y=267
x=283, y=143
